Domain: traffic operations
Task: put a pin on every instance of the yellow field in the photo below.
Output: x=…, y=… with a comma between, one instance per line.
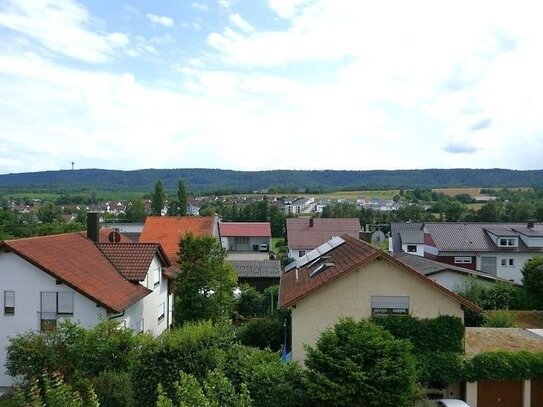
x=457, y=191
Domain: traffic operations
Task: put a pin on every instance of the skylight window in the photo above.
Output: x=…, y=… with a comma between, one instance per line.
x=322, y=267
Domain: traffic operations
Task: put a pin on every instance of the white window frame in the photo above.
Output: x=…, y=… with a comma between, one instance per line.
x=507, y=242
x=9, y=303
x=511, y=262
x=301, y=253
x=504, y=262
x=66, y=308
x=410, y=246
x=463, y=260
x=156, y=277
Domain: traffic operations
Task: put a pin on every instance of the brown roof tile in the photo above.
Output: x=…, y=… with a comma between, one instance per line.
x=77, y=262
x=302, y=236
x=168, y=230
x=132, y=260
x=343, y=259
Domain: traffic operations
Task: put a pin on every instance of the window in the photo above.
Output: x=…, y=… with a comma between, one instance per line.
x=53, y=305
x=9, y=302
x=462, y=260
x=411, y=248
x=508, y=262
x=301, y=253
x=511, y=262
x=504, y=262
x=160, y=312
x=383, y=305
x=507, y=242
x=156, y=279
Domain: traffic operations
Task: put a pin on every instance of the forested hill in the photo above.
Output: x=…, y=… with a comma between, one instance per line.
x=207, y=180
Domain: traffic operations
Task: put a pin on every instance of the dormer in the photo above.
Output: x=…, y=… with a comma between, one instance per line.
x=531, y=234
x=503, y=237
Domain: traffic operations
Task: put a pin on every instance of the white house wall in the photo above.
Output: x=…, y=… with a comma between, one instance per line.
x=28, y=281
x=419, y=252
x=455, y=281
x=507, y=272
x=153, y=300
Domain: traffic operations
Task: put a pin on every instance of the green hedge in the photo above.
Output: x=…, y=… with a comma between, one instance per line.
x=442, y=334
x=504, y=366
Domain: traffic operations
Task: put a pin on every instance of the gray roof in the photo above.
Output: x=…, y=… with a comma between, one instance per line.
x=408, y=236
x=257, y=268
x=526, y=231
x=501, y=231
x=428, y=267
x=396, y=228
x=473, y=237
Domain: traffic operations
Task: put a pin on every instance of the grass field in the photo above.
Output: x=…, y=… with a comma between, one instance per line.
x=457, y=191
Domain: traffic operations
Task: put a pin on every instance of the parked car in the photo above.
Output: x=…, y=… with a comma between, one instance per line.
x=263, y=247
x=451, y=403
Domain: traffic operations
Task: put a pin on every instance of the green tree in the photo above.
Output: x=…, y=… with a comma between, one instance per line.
x=135, y=211
x=49, y=213
x=182, y=201
x=204, y=287
x=360, y=364
x=532, y=279
x=159, y=199
x=491, y=212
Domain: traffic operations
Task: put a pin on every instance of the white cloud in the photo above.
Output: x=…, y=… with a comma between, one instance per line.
x=242, y=24
x=63, y=27
x=199, y=6
x=161, y=20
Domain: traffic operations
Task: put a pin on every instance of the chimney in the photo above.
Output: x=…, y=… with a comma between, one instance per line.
x=310, y=222
x=93, y=228
x=530, y=224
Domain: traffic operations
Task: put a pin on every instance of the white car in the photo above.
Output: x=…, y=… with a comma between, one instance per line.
x=451, y=403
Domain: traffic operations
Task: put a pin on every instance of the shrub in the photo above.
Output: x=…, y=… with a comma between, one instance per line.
x=499, y=319
x=114, y=389
x=250, y=302
x=262, y=333
x=504, y=366
x=359, y=363
x=195, y=349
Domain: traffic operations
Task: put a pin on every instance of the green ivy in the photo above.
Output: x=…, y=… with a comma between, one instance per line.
x=504, y=366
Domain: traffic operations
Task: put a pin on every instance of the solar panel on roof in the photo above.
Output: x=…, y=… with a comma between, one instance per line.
x=316, y=253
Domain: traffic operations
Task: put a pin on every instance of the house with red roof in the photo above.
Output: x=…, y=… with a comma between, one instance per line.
x=84, y=278
x=304, y=235
x=346, y=277
x=245, y=236
x=168, y=231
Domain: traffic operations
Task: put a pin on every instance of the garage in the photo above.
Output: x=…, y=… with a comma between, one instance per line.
x=537, y=392
x=507, y=393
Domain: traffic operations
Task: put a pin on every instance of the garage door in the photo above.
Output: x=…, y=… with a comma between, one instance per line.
x=537, y=392
x=499, y=394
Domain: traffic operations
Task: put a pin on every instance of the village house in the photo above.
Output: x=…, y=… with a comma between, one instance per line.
x=84, y=278
x=348, y=277
x=305, y=234
x=498, y=249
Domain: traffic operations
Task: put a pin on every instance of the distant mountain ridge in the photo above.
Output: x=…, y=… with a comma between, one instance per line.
x=206, y=180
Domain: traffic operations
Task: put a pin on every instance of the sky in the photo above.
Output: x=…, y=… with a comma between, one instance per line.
x=270, y=84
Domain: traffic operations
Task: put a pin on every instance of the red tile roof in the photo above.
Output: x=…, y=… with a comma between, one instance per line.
x=250, y=229
x=78, y=263
x=104, y=236
x=168, y=230
x=343, y=259
x=302, y=236
x=133, y=260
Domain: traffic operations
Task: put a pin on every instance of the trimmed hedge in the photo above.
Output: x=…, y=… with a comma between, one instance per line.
x=504, y=366
x=442, y=334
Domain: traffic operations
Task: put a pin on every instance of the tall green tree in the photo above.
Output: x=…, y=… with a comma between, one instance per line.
x=204, y=289
x=362, y=363
x=182, y=202
x=532, y=279
x=159, y=199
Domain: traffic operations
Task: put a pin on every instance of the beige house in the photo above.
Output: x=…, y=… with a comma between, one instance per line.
x=349, y=277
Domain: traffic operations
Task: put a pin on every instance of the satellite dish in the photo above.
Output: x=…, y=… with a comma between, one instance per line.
x=114, y=237
x=377, y=237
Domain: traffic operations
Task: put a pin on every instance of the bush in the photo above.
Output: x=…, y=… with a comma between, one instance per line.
x=114, y=389
x=499, y=319
x=250, y=302
x=504, y=366
x=269, y=381
x=262, y=333
x=438, y=369
x=444, y=333
x=359, y=363
x=195, y=349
